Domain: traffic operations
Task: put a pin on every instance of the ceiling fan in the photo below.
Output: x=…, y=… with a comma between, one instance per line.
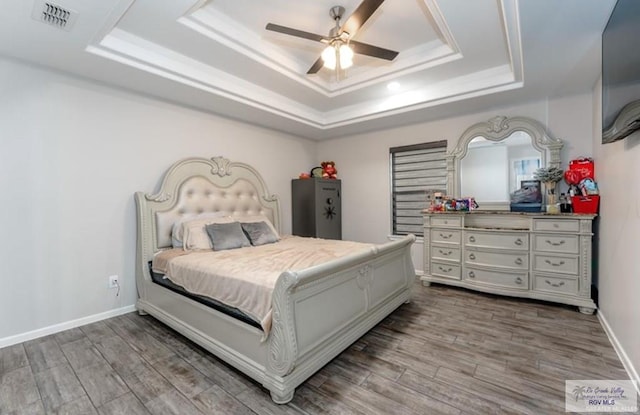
x=336, y=55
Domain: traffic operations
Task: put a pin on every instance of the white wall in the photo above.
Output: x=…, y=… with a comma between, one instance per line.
x=72, y=153
x=363, y=160
x=616, y=171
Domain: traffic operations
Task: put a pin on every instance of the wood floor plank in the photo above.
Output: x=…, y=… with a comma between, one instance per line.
x=119, y=354
x=97, y=331
x=407, y=397
x=172, y=403
x=312, y=401
x=362, y=399
x=102, y=383
x=18, y=390
x=183, y=376
x=81, y=406
x=216, y=400
x=146, y=383
x=221, y=374
x=69, y=336
x=44, y=354
x=456, y=397
x=82, y=353
x=126, y=404
x=12, y=358
x=58, y=386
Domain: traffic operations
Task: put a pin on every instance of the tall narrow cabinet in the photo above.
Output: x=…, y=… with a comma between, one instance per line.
x=316, y=208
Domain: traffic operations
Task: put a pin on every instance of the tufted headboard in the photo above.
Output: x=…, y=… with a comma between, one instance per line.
x=197, y=185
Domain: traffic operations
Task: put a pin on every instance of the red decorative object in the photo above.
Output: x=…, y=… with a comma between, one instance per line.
x=583, y=167
x=329, y=170
x=585, y=204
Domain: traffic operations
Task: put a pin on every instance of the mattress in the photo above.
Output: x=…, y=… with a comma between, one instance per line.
x=160, y=279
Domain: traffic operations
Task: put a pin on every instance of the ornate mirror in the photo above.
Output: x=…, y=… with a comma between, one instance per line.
x=493, y=159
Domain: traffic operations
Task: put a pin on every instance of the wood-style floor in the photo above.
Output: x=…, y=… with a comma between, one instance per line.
x=449, y=351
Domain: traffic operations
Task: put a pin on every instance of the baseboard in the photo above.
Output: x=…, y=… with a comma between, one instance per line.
x=626, y=362
x=56, y=328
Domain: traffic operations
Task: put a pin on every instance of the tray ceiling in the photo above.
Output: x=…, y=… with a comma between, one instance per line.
x=455, y=55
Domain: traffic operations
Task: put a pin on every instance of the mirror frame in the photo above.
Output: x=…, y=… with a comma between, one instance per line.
x=499, y=128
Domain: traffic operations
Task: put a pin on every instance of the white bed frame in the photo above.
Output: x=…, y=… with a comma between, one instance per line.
x=317, y=312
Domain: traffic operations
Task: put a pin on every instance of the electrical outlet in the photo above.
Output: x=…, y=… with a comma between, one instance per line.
x=113, y=281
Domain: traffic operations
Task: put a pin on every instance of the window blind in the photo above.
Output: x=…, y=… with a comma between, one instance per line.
x=415, y=170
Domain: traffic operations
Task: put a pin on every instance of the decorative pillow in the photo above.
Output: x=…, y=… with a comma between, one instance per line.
x=227, y=236
x=195, y=234
x=259, y=233
x=258, y=218
x=177, y=231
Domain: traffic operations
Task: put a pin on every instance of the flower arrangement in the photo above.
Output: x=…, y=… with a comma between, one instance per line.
x=548, y=174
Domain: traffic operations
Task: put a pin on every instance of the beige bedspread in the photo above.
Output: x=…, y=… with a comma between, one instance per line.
x=245, y=278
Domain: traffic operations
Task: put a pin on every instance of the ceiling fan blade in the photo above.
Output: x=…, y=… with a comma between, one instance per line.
x=317, y=65
x=370, y=50
x=361, y=15
x=295, y=32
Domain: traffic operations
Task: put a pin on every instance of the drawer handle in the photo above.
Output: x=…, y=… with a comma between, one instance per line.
x=519, y=281
x=560, y=284
x=445, y=270
x=554, y=264
x=555, y=243
x=555, y=225
x=445, y=253
x=472, y=274
x=472, y=239
x=446, y=222
x=518, y=242
x=443, y=236
x=472, y=257
x=518, y=261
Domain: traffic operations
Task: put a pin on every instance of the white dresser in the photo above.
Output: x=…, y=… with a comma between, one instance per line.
x=529, y=255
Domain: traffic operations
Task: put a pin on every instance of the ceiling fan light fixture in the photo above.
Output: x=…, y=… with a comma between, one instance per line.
x=346, y=56
x=329, y=57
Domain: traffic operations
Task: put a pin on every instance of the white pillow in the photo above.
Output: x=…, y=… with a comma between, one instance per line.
x=195, y=232
x=177, y=231
x=258, y=218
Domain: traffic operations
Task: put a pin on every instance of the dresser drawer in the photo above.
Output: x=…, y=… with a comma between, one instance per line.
x=556, y=264
x=516, y=241
x=446, y=220
x=558, y=225
x=501, y=279
x=448, y=236
x=439, y=253
x=498, y=259
x=556, y=243
x=440, y=269
x=555, y=285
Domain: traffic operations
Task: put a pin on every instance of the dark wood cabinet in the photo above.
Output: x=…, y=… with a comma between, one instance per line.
x=317, y=208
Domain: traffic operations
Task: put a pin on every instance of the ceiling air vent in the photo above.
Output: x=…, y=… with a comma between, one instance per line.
x=54, y=14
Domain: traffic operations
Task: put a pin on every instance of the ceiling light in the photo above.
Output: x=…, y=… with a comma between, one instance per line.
x=338, y=55
x=329, y=57
x=346, y=56
x=393, y=86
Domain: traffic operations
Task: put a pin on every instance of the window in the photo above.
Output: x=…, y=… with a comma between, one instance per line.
x=415, y=170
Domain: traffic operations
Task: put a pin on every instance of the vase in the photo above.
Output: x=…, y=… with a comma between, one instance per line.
x=552, y=204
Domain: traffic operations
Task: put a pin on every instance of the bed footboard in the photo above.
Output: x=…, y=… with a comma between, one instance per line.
x=319, y=312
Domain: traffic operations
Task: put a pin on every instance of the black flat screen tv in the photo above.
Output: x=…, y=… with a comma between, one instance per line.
x=621, y=72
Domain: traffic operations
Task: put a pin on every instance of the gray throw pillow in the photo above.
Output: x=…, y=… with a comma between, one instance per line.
x=227, y=236
x=259, y=233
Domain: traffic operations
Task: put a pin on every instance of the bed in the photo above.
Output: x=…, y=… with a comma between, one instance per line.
x=316, y=312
